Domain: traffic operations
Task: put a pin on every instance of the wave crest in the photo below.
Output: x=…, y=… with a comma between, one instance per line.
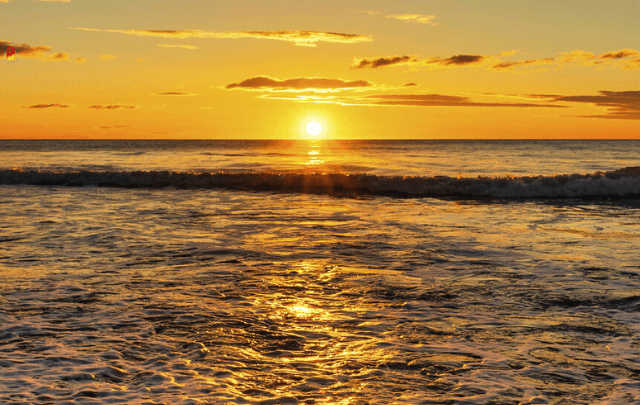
x=624, y=182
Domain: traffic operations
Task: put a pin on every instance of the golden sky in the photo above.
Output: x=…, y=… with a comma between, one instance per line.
x=234, y=69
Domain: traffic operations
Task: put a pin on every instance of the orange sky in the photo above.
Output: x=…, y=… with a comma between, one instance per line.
x=231, y=69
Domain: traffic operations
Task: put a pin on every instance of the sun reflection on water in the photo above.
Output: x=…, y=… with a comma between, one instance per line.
x=314, y=154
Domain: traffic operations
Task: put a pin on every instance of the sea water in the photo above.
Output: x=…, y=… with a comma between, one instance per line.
x=319, y=272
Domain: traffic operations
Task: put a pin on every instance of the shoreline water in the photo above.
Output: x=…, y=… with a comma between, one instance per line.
x=216, y=296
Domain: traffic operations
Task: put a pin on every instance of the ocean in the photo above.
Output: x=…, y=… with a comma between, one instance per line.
x=319, y=272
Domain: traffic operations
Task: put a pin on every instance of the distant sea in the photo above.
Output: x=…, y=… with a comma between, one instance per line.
x=320, y=272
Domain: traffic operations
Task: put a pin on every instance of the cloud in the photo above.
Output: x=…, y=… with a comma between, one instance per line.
x=177, y=46
x=108, y=57
x=623, y=53
x=620, y=59
x=625, y=59
x=301, y=38
x=111, y=107
x=618, y=104
x=36, y=52
x=382, y=62
x=175, y=93
x=511, y=65
x=57, y=56
x=410, y=84
x=550, y=96
x=303, y=83
x=409, y=100
x=507, y=53
x=415, y=18
x=114, y=127
x=632, y=65
x=438, y=100
x=431, y=63
x=48, y=106
x=461, y=60
x=80, y=60
x=368, y=12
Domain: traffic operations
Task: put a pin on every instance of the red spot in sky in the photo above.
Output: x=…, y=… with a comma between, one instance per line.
x=11, y=53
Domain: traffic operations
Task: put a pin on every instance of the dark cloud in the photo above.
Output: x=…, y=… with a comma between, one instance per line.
x=452, y=61
x=629, y=115
x=626, y=99
x=311, y=83
x=59, y=56
x=624, y=53
x=410, y=84
x=111, y=107
x=48, y=106
x=302, y=38
x=619, y=104
x=621, y=59
x=24, y=50
x=511, y=65
x=462, y=59
x=38, y=52
x=578, y=57
x=381, y=62
x=438, y=100
x=455, y=60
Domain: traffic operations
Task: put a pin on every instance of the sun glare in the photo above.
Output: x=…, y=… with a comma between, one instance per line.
x=313, y=128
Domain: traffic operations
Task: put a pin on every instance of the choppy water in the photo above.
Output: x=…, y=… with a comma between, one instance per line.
x=201, y=295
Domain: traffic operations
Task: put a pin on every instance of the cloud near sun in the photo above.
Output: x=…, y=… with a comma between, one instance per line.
x=300, y=38
x=111, y=107
x=625, y=59
x=438, y=100
x=266, y=83
x=619, y=104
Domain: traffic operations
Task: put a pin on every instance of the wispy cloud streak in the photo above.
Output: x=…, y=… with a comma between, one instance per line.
x=618, y=104
x=266, y=83
x=300, y=38
x=48, y=106
x=625, y=59
x=415, y=18
x=111, y=107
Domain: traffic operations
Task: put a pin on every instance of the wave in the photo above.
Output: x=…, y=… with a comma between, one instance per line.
x=619, y=183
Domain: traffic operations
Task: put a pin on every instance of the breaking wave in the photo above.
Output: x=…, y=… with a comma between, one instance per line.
x=619, y=183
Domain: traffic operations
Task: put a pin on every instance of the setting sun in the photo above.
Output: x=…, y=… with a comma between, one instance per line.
x=313, y=128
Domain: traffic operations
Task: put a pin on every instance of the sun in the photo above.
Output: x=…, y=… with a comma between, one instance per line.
x=313, y=128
